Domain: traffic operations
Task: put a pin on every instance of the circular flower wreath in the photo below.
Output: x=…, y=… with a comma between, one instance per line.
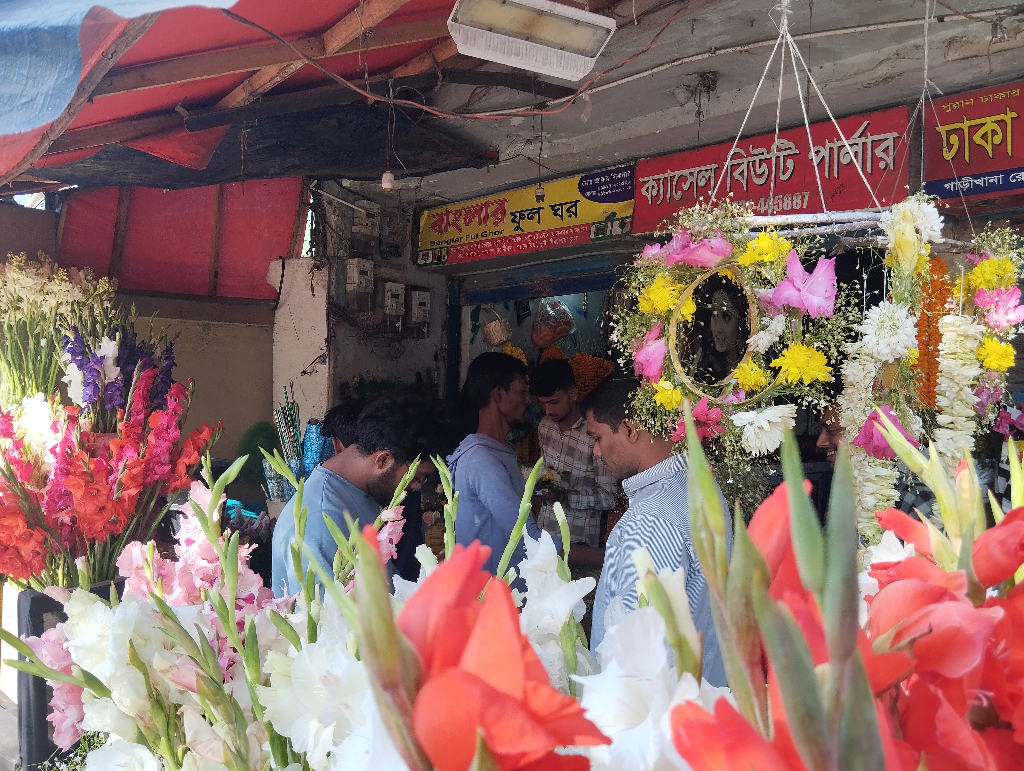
x=798, y=326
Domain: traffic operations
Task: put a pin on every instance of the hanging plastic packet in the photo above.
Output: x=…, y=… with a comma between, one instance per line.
x=312, y=446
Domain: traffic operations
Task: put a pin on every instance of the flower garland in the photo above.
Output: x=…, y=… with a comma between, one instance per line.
x=936, y=293
x=795, y=323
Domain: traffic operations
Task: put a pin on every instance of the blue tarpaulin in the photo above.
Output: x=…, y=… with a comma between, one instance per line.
x=40, y=59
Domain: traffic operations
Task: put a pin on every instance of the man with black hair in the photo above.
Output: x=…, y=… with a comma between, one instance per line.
x=569, y=452
x=485, y=469
x=340, y=423
x=658, y=517
x=360, y=480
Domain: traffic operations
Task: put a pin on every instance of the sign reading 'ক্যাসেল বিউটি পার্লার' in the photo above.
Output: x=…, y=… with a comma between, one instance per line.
x=576, y=210
x=777, y=175
x=968, y=143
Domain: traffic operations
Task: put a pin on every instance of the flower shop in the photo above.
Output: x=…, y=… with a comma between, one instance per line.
x=856, y=277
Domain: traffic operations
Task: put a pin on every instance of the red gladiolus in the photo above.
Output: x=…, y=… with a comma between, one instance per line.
x=770, y=531
x=907, y=529
x=481, y=676
x=922, y=569
x=999, y=551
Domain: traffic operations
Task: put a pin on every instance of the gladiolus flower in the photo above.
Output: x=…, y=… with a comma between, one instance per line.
x=814, y=292
x=873, y=442
x=481, y=676
x=649, y=359
x=999, y=551
x=1003, y=305
x=680, y=241
x=708, y=421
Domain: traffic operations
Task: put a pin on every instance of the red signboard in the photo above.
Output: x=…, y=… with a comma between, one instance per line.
x=777, y=176
x=968, y=144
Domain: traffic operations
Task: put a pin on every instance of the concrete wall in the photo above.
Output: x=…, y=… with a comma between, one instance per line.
x=361, y=348
x=27, y=230
x=228, y=351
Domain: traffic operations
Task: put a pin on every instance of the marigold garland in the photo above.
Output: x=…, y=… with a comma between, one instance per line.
x=589, y=371
x=515, y=350
x=552, y=352
x=936, y=291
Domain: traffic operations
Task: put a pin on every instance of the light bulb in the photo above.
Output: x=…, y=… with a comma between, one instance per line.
x=387, y=181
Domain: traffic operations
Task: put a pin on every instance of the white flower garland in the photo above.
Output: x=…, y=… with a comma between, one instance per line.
x=874, y=480
x=889, y=331
x=959, y=370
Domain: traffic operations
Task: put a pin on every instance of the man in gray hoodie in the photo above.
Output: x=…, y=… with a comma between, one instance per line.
x=485, y=471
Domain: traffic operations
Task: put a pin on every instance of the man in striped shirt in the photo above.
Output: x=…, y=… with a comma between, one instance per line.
x=657, y=518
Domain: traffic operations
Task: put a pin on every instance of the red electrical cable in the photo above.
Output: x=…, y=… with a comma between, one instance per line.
x=498, y=116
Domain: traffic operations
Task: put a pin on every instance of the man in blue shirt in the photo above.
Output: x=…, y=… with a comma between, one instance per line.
x=485, y=469
x=657, y=519
x=361, y=479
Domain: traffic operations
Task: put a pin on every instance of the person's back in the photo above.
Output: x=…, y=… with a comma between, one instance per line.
x=391, y=432
x=326, y=493
x=657, y=519
x=485, y=471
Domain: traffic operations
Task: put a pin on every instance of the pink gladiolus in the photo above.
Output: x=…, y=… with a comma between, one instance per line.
x=707, y=421
x=988, y=391
x=814, y=293
x=390, y=533
x=974, y=259
x=1008, y=421
x=1004, y=308
x=66, y=713
x=706, y=253
x=649, y=358
x=768, y=307
x=870, y=437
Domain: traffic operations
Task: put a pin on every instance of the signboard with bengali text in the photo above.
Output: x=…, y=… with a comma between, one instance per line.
x=968, y=143
x=576, y=210
x=777, y=175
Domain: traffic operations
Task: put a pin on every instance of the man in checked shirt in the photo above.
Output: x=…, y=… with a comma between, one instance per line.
x=569, y=452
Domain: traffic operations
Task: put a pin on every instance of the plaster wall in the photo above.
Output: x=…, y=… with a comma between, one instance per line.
x=27, y=230
x=231, y=366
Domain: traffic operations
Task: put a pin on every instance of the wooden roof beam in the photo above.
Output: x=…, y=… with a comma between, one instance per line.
x=370, y=14
x=216, y=63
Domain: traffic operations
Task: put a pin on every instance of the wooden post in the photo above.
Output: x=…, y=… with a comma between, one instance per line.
x=218, y=207
x=124, y=196
x=299, y=223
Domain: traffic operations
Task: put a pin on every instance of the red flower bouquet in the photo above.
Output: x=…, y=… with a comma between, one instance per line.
x=89, y=495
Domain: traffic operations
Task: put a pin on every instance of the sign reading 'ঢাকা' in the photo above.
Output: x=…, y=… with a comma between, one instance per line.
x=968, y=143
x=576, y=210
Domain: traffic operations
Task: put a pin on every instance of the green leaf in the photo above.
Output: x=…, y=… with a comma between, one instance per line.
x=742, y=637
x=975, y=591
x=525, y=507
x=483, y=760
x=794, y=668
x=860, y=740
x=1016, y=478
x=840, y=597
x=707, y=517
x=808, y=543
x=285, y=628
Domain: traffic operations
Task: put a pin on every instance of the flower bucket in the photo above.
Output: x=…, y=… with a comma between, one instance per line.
x=9, y=621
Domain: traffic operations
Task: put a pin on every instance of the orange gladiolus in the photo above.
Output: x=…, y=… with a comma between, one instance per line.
x=999, y=551
x=906, y=529
x=481, y=676
x=770, y=531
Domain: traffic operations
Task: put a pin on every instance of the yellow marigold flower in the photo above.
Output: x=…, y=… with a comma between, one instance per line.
x=995, y=355
x=688, y=309
x=750, y=377
x=767, y=247
x=667, y=395
x=912, y=356
x=515, y=350
x=994, y=273
x=801, y=362
x=660, y=296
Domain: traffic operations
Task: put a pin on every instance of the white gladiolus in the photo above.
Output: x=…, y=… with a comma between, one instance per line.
x=118, y=755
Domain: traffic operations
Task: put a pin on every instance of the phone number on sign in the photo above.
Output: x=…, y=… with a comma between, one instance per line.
x=787, y=202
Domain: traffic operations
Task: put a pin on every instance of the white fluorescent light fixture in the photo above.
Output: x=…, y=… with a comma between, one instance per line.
x=536, y=35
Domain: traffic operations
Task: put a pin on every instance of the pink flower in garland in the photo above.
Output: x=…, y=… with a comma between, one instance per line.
x=873, y=442
x=814, y=292
x=707, y=420
x=680, y=241
x=706, y=253
x=1003, y=305
x=649, y=359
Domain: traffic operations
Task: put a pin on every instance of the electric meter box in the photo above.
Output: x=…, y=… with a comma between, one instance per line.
x=419, y=308
x=394, y=299
x=359, y=275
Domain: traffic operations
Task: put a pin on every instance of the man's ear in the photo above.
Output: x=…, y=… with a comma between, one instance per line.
x=631, y=430
x=338, y=446
x=574, y=393
x=382, y=460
